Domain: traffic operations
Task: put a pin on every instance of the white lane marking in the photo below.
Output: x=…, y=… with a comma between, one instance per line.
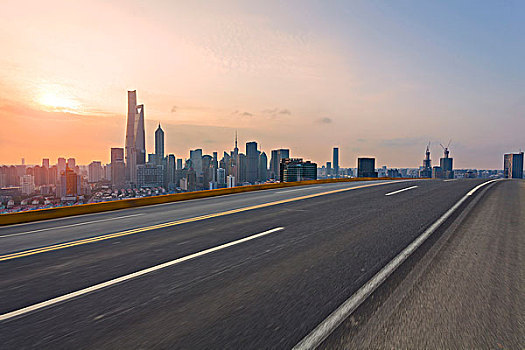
x=130, y=276
x=399, y=191
x=72, y=225
x=449, y=180
x=328, y=325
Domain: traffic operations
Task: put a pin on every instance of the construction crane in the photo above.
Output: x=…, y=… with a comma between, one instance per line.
x=445, y=149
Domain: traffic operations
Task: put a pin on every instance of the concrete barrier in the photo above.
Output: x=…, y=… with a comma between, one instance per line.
x=59, y=212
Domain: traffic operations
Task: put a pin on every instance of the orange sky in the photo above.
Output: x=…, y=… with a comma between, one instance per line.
x=286, y=76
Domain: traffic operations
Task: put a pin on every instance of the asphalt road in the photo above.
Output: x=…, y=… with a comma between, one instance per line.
x=467, y=292
x=266, y=292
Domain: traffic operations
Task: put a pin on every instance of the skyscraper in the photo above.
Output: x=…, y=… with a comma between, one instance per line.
x=513, y=165
x=426, y=172
x=196, y=161
x=366, y=167
x=95, y=171
x=263, y=167
x=277, y=156
x=445, y=164
x=297, y=170
x=118, y=175
x=252, y=162
x=135, y=137
x=335, y=160
x=61, y=165
x=159, y=144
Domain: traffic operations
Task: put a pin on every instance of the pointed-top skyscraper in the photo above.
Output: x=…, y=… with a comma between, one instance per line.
x=159, y=143
x=135, y=137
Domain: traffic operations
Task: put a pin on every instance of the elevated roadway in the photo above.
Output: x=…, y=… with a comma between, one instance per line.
x=252, y=270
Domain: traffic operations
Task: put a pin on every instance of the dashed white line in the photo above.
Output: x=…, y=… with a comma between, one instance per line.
x=72, y=225
x=449, y=180
x=326, y=327
x=402, y=190
x=130, y=276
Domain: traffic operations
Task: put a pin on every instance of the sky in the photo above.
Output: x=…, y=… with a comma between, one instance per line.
x=374, y=78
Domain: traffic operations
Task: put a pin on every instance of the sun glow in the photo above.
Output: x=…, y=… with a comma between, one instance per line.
x=58, y=101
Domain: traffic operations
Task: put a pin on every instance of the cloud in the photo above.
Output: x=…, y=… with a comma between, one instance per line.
x=247, y=114
x=173, y=109
x=276, y=111
x=325, y=120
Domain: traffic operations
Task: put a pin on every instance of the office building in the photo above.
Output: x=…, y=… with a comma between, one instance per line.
x=230, y=181
x=95, y=172
x=159, y=143
x=445, y=164
x=45, y=163
x=135, y=137
x=118, y=176
x=335, y=160
x=263, y=167
x=196, y=161
x=437, y=172
x=69, y=186
x=252, y=162
x=71, y=163
x=513, y=165
x=221, y=178
x=27, y=184
x=366, y=167
x=294, y=169
x=149, y=175
x=169, y=173
x=275, y=161
x=61, y=165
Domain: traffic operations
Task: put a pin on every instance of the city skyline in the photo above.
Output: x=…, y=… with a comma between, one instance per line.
x=382, y=87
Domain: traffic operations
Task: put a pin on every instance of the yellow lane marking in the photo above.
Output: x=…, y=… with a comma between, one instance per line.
x=172, y=223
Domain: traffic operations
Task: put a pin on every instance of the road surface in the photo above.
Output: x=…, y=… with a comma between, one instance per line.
x=246, y=271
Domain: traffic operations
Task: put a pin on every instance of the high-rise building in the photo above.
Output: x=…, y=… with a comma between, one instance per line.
x=296, y=170
x=135, y=137
x=169, y=177
x=159, y=143
x=71, y=163
x=69, y=184
x=328, y=168
x=221, y=177
x=230, y=181
x=61, y=165
x=27, y=184
x=366, y=167
x=45, y=162
x=95, y=171
x=252, y=162
x=426, y=171
x=445, y=164
x=513, y=165
x=335, y=160
x=275, y=161
x=179, y=163
x=196, y=161
x=149, y=175
x=118, y=175
x=263, y=167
